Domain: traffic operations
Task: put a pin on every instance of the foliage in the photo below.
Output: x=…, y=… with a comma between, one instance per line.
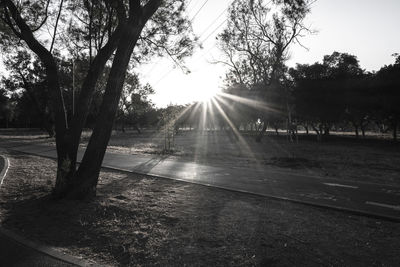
x=134, y=103
x=102, y=32
x=258, y=36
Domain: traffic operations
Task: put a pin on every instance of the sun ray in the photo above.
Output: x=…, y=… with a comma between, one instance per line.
x=242, y=141
x=256, y=104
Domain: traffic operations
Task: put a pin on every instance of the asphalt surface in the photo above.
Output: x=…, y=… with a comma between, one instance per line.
x=364, y=198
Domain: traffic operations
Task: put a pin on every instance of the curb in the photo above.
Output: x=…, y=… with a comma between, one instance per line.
x=45, y=250
x=50, y=252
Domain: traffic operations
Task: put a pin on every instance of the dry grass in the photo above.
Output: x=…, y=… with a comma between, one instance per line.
x=144, y=221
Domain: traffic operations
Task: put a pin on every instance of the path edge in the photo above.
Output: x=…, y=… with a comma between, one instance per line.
x=3, y=172
x=48, y=251
x=33, y=245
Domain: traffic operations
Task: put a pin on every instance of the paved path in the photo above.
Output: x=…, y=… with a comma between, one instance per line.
x=374, y=199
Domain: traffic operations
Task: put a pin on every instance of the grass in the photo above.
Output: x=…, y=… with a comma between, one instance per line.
x=143, y=221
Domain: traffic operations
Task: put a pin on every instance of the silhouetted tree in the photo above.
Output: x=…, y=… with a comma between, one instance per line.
x=5, y=108
x=388, y=97
x=327, y=93
x=26, y=74
x=145, y=25
x=256, y=43
x=134, y=103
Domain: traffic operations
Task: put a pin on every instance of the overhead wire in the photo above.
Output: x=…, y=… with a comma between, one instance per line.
x=198, y=11
x=213, y=22
x=205, y=39
x=219, y=26
x=190, y=1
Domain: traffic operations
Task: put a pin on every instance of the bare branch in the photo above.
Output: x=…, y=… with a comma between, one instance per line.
x=45, y=17
x=56, y=26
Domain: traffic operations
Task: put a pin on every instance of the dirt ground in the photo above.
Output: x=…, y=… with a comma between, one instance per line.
x=143, y=221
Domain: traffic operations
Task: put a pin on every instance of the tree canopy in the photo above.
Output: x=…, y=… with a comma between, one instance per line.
x=119, y=34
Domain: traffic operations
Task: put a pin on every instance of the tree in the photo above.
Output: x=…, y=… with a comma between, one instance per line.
x=388, y=95
x=134, y=103
x=5, y=110
x=360, y=101
x=26, y=74
x=256, y=44
x=317, y=101
x=152, y=26
x=327, y=93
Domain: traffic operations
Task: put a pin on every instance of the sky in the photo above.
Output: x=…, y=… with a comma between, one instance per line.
x=365, y=28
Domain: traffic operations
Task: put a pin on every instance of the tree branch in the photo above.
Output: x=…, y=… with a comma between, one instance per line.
x=45, y=18
x=56, y=25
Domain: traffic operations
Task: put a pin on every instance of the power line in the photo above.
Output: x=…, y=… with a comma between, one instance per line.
x=198, y=11
x=163, y=77
x=219, y=26
x=205, y=39
x=189, y=3
x=212, y=23
x=202, y=56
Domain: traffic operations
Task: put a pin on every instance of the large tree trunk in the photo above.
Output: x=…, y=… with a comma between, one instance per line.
x=69, y=142
x=51, y=69
x=85, y=182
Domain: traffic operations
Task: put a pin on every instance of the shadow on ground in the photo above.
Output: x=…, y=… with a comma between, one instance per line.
x=139, y=220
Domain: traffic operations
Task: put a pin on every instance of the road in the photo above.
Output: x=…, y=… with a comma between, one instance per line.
x=364, y=198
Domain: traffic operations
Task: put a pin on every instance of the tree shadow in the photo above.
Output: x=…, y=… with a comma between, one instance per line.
x=117, y=224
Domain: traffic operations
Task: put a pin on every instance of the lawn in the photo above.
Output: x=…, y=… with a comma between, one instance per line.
x=144, y=221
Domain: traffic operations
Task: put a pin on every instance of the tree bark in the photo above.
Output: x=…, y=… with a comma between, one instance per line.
x=85, y=181
x=138, y=17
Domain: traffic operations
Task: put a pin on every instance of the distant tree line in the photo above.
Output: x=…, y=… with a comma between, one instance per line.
x=336, y=94
x=26, y=102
